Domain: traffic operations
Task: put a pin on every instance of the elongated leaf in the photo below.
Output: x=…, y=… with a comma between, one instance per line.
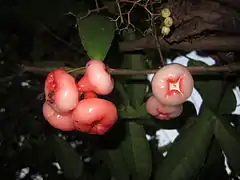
x=137, y=152
x=122, y=91
x=228, y=100
x=214, y=167
x=136, y=87
x=216, y=93
x=102, y=173
x=129, y=112
x=115, y=162
x=188, y=151
x=96, y=33
x=157, y=156
x=68, y=158
x=229, y=140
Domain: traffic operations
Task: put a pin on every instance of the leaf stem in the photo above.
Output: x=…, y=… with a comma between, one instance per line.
x=76, y=69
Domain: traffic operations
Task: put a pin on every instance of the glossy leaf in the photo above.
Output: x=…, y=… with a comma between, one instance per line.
x=188, y=151
x=229, y=140
x=137, y=152
x=96, y=32
x=136, y=87
x=68, y=158
x=115, y=162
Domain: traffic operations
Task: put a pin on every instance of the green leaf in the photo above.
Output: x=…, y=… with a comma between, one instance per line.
x=228, y=100
x=137, y=152
x=102, y=173
x=129, y=112
x=214, y=167
x=136, y=85
x=229, y=140
x=123, y=93
x=157, y=156
x=96, y=32
x=68, y=158
x=205, y=87
x=217, y=94
x=115, y=162
x=44, y=152
x=189, y=150
x=193, y=62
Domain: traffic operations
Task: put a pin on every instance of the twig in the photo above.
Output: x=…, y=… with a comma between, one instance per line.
x=134, y=4
x=195, y=70
x=155, y=35
x=69, y=45
x=120, y=11
x=137, y=3
x=146, y=4
x=92, y=11
x=97, y=6
x=7, y=78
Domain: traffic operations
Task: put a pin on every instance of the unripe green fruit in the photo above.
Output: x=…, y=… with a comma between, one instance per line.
x=168, y=22
x=165, y=30
x=165, y=12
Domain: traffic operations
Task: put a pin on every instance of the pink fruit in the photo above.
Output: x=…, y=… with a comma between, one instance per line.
x=160, y=111
x=94, y=116
x=84, y=85
x=88, y=95
x=61, y=91
x=172, y=84
x=97, y=78
x=62, y=121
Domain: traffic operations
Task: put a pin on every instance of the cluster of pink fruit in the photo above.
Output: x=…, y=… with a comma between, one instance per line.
x=71, y=105
x=76, y=106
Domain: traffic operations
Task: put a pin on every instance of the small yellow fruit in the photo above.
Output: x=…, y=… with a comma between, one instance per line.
x=165, y=30
x=168, y=22
x=165, y=12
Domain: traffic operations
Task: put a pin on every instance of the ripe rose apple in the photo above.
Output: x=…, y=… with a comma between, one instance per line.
x=96, y=78
x=88, y=95
x=94, y=116
x=172, y=84
x=161, y=111
x=63, y=121
x=61, y=91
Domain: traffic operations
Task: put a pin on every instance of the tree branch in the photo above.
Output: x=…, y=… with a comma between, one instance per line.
x=195, y=70
x=215, y=43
